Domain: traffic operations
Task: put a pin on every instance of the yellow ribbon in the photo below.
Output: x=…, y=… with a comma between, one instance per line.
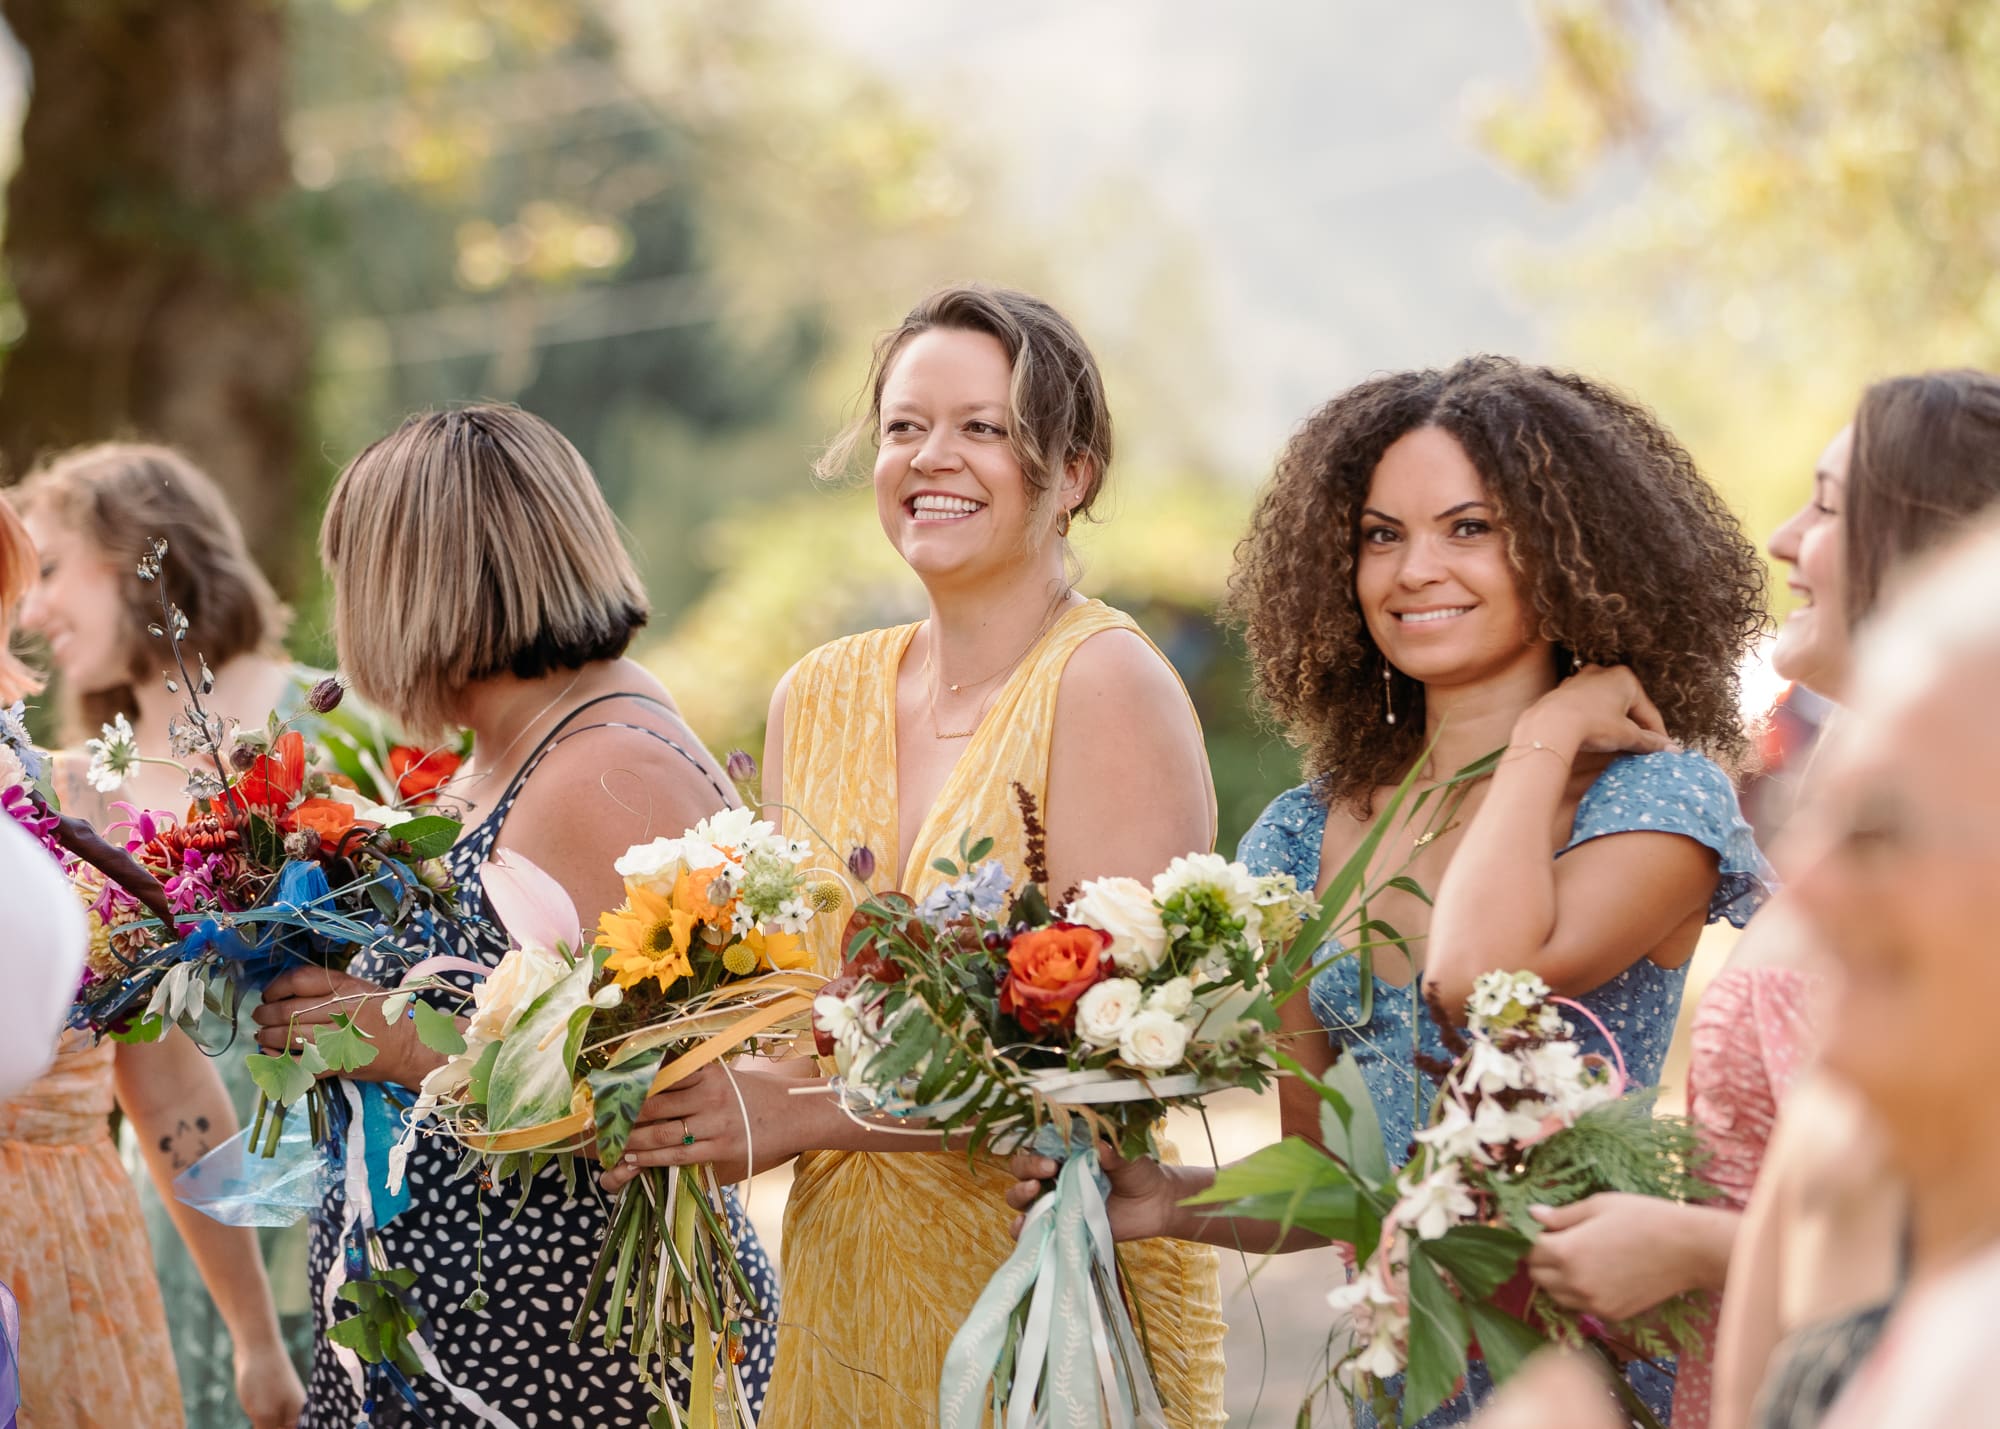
x=565, y=1129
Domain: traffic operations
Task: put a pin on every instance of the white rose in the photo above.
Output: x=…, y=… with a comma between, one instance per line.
x=1153, y=1041
x=1173, y=997
x=523, y=975
x=1104, y=1012
x=652, y=866
x=1124, y=908
x=1231, y=882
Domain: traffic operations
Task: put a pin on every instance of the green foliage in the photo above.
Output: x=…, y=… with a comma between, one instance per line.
x=428, y=835
x=438, y=1030
x=381, y=1329
x=529, y=1083
x=345, y=1046
x=286, y=1078
x=1620, y=1146
x=617, y=1094
x=1294, y=1184
x=1439, y=1332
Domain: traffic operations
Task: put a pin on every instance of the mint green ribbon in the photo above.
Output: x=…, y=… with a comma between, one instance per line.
x=1073, y=1357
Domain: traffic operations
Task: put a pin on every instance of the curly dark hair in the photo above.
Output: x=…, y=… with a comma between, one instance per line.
x=1626, y=556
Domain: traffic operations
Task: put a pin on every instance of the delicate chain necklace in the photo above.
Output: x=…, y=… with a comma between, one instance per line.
x=930, y=674
x=492, y=765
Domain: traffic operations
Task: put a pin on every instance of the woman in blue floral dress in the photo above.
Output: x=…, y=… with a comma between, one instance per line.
x=1448, y=563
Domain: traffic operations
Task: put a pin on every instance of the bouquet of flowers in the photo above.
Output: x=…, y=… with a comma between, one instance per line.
x=273, y=867
x=1522, y=1118
x=992, y=1020
x=705, y=959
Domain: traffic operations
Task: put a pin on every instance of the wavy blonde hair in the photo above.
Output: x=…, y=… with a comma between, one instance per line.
x=119, y=496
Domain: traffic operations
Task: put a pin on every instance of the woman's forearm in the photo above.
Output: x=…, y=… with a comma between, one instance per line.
x=1496, y=907
x=180, y=1110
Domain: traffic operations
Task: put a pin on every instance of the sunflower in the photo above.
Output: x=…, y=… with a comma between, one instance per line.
x=648, y=937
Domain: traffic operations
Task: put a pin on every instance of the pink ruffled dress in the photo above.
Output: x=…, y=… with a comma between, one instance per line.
x=1749, y=1041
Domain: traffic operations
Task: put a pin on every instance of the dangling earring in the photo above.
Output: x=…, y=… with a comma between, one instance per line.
x=1388, y=697
x=1062, y=523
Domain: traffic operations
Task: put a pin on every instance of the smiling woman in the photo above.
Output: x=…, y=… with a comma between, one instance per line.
x=991, y=436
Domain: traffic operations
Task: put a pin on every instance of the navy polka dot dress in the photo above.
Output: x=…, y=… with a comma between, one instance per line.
x=1671, y=792
x=511, y=1361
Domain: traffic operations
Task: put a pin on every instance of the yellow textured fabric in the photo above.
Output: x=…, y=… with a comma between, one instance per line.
x=885, y=1253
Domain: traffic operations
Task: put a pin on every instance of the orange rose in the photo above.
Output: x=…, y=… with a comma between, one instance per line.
x=1048, y=970
x=329, y=818
x=418, y=773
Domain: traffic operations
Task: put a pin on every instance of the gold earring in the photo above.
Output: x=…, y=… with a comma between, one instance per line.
x=1388, y=697
x=1062, y=523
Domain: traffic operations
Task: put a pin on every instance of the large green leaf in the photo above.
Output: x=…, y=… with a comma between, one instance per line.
x=345, y=1046
x=531, y=1079
x=428, y=835
x=1480, y=1259
x=1438, y=1336
x=617, y=1093
x=1504, y=1342
x=1296, y=1184
x=1348, y=1123
x=282, y=1078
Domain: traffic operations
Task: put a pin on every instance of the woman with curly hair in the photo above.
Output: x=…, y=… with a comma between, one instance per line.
x=1451, y=562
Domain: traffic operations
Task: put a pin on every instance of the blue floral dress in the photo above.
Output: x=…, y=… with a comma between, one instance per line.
x=1672, y=792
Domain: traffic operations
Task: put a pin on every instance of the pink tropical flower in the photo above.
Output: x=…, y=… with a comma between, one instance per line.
x=535, y=910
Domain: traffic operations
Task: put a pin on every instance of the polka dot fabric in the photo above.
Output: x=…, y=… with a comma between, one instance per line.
x=1672, y=792
x=515, y=1353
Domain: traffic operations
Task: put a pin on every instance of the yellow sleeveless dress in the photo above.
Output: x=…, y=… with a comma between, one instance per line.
x=94, y=1350
x=885, y=1253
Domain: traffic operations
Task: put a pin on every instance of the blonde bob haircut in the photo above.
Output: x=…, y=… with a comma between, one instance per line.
x=467, y=544
x=119, y=496
x=17, y=575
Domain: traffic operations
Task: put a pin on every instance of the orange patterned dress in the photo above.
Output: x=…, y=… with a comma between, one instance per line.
x=885, y=1253
x=94, y=1348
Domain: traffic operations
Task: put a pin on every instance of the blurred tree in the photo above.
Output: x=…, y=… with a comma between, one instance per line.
x=155, y=277
x=1817, y=188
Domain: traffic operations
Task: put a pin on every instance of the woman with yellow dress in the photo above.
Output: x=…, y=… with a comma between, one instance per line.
x=992, y=436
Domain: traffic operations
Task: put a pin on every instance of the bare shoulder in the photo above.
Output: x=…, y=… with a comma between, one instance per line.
x=1121, y=666
x=636, y=775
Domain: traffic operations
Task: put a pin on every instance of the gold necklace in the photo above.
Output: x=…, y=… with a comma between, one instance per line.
x=930, y=675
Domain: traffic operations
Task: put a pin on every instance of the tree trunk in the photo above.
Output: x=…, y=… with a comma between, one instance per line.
x=147, y=246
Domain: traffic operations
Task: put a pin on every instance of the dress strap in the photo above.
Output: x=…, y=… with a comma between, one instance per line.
x=561, y=731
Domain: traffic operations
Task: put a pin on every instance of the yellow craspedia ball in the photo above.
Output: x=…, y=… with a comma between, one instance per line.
x=825, y=897
x=740, y=961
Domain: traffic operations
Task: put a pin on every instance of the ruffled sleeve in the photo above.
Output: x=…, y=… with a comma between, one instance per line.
x=1286, y=837
x=1680, y=792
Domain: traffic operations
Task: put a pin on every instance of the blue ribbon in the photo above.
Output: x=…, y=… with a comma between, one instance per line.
x=1077, y=1360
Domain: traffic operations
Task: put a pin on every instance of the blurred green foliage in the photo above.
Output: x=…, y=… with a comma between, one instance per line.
x=1817, y=183
x=674, y=231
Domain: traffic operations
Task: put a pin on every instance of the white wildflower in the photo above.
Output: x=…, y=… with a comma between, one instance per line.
x=114, y=756
x=1194, y=874
x=1434, y=1205
x=1488, y=1069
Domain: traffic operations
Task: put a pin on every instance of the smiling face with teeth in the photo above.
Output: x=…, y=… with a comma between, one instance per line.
x=1437, y=590
x=1813, y=645
x=949, y=488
